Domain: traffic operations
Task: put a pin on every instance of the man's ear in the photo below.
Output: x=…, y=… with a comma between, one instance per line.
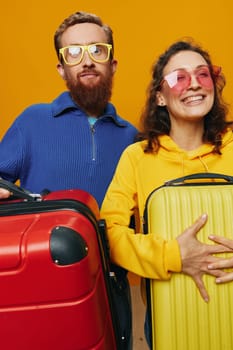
x=61, y=71
x=114, y=64
x=160, y=99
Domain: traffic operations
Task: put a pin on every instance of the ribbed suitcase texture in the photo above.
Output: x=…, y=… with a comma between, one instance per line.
x=53, y=288
x=181, y=320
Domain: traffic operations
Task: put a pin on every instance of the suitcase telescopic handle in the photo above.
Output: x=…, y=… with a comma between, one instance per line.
x=17, y=191
x=200, y=176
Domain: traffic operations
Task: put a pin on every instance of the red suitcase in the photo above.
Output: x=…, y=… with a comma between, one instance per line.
x=54, y=292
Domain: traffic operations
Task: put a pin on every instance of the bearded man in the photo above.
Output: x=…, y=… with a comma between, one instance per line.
x=76, y=140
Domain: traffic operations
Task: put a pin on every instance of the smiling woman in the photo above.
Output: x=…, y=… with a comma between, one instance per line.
x=188, y=94
x=184, y=97
x=184, y=131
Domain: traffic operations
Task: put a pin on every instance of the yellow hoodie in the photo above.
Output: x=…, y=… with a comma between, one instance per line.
x=136, y=176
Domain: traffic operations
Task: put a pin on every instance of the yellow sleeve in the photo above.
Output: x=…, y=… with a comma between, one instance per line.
x=146, y=255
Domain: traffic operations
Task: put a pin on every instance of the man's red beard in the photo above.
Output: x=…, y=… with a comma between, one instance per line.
x=92, y=98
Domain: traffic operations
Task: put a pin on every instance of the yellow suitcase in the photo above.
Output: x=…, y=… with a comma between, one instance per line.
x=180, y=319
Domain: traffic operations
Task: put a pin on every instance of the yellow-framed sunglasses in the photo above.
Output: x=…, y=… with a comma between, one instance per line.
x=73, y=54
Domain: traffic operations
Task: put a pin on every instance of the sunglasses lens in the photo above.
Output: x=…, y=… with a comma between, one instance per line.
x=73, y=54
x=178, y=80
x=204, y=78
x=99, y=52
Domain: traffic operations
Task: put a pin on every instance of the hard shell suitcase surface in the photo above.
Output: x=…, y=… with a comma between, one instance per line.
x=180, y=319
x=53, y=288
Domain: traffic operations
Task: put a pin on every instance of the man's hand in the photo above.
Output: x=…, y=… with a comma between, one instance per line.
x=4, y=193
x=197, y=256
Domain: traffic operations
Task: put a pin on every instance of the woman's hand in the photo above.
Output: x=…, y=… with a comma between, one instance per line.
x=197, y=257
x=223, y=263
x=4, y=193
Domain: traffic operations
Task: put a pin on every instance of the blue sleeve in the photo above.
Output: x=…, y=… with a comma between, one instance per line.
x=11, y=154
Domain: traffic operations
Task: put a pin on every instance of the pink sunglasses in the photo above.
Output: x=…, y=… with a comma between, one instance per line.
x=180, y=79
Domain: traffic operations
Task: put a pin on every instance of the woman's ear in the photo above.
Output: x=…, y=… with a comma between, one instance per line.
x=61, y=71
x=160, y=99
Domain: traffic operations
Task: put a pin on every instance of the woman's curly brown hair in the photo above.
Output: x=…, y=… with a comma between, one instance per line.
x=155, y=120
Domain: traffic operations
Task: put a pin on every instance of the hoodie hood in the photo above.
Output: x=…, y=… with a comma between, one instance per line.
x=202, y=155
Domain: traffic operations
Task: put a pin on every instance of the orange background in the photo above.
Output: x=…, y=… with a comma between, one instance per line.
x=142, y=30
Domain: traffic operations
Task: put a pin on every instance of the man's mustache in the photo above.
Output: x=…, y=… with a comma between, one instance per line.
x=87, y=71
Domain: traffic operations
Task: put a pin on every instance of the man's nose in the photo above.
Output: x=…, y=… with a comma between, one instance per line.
x=87, y=59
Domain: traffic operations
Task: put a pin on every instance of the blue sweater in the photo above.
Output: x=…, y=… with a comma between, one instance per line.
x=52, y=146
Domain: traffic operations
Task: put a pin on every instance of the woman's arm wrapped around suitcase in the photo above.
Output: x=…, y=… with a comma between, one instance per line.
x=150, y=255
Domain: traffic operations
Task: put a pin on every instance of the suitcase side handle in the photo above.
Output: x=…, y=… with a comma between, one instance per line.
x=18, y=192
x=199, y=176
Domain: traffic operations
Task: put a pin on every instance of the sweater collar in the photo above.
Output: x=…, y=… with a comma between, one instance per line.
x=64, y=103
